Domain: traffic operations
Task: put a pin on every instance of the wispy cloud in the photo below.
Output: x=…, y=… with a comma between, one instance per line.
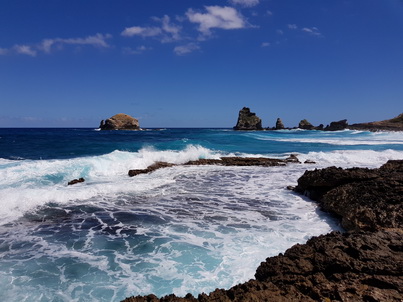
x=312, y=31
x=25, y=50
x=137, y=51
x=266, y=44
x=245, y=3
x=98, y=40
x=48, y=45
x=222, y=17
x=165, y=32
x=185, y=49
x=292, y=26
x=141, y=31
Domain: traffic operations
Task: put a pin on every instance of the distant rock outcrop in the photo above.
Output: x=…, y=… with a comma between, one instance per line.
x=394, y=124
x=248, y=120
x=337, y=126
x=279, y=124
x=120, y=121
x=304, y=124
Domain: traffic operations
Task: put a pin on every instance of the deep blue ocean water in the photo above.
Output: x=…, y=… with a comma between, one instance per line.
x=177, y=230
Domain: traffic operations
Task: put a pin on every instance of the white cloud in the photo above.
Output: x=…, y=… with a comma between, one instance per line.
x=141, y=31
x=98, y=40
x=245, y=3
x=166, y=32
x=185, y=49
x=25, y=50
x=222, y=17
x=269, y=13
x=292, y=26
x=312, y=31
x=265, y=44
x=280, y=32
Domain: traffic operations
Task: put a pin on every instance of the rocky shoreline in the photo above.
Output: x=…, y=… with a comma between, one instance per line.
x=363, y=264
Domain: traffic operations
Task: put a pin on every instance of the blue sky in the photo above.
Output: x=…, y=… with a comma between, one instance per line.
x=184, y=63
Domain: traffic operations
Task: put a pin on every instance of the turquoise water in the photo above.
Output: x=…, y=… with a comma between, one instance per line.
x=177, y=230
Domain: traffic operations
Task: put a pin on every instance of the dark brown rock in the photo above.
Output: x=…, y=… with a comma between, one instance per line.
x=149, y=169
x=394, y=124
x=120, y=121
x=75, y=181
x=337, y=126
x=248, y=120
x=365, y=199
x=279, y=124
x=304, y=124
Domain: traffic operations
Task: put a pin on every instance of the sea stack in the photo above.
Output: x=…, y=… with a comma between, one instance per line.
x=279, y=124
x=248, y=120
x=120, y=121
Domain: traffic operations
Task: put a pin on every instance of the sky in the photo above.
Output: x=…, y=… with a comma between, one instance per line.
x=188, y=63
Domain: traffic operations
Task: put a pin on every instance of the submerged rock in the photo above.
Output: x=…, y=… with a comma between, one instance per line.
x=120, y=121
x=248, y=120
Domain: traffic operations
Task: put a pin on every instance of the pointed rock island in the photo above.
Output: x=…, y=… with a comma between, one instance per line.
x=120, y=121
x=248, y=120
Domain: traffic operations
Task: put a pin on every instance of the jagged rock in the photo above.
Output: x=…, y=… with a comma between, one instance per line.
x=365, y=199
x=120, y=121
x=304, y=124
x=75, y=181
x=223, y=161
x=337, y=126
x=248, y=120
x=279, y=124
x=394, y=124
x=153, y=167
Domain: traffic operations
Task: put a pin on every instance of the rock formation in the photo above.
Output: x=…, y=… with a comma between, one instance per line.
x=75, y=181
x=364, y=264
x=304, y=124
x=337, y=126
x=394, y=124
x=248, y=120
x=120, y=121
x=365, y=199
x=279, y=124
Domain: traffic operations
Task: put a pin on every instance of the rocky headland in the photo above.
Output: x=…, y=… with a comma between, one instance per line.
x=249, y=121
x=120, y=121
x=363, y=264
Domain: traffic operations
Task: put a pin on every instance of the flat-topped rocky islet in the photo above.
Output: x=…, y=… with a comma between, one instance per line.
x=120, y=121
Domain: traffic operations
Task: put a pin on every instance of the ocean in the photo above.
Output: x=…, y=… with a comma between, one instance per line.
x=177, y=230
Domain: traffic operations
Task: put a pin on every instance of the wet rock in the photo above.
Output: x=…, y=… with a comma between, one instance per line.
x=120, y=121
x=365, y=199
x=75, y=181
x=149, y=169
x=248, y=120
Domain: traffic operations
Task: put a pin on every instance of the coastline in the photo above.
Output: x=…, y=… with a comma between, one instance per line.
x=362, y=264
